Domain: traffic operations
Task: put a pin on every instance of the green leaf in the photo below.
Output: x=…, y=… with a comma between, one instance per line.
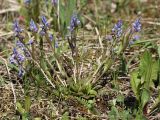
x=155, y=68
x=148, y=70
x=65, y=116
x=20, y=108
x=92, y=92
x=120, y=98
x=27, y=103
x=125, y=115
x=145, y=96
x=135, y=82
x=140, y=117
x=113, y=114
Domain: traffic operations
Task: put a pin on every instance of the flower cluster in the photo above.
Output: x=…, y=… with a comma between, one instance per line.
x=18, y=59
x=117, y=29
x=44, y=26
x=33, y=26
x=74, y=22
x=132, y=32
x=137, y=25
x=17, y=28
x=20, y=52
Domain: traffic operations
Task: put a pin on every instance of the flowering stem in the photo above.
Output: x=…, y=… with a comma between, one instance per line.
x=49, y=41
x=54, y=54
x=75, y=53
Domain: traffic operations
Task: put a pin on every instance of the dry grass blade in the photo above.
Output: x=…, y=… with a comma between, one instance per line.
x=5, y=62
x=9, y=10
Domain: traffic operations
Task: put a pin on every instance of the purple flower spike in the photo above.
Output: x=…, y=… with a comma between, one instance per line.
x=33, y=26
x=117, y=25
x=137, y=25
x=44, y=21
x=74, y=22
x=54, y=2
x=44, y=26
x=16, y=28
x=117, y=29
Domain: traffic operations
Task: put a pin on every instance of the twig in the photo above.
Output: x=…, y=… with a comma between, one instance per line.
x=14, y=95
x=99, y=38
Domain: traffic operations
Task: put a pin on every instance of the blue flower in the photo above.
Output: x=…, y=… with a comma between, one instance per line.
x=16, y=28
x=44, y=21
x=44, y=26
x=137, y=25
x=74, y=22
x=135, y=38
x=117, y=29
x=30, y=42
x=21, y=72
x=33, y=26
